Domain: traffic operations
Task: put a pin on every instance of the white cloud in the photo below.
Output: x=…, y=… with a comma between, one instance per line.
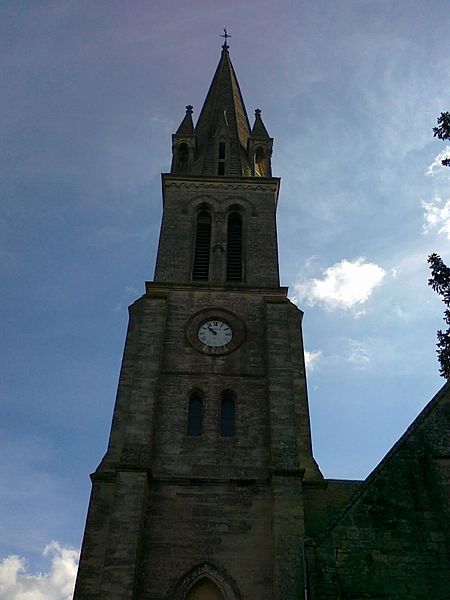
x=402, y=314
x=344, y=285
x=437, y=216
x=312, y=359
x=359, y=355
x=436, y=166
x=57, y=584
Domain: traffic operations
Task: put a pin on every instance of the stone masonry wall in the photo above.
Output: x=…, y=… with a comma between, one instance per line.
x=184, y=198
x=224, y=524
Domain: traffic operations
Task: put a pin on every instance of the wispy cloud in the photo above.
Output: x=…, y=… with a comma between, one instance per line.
x=437, y=216
x=57, y=584
x=358, y=354
x=312, y=359
x=344, y=285
x=436, y=166
x=402, y=314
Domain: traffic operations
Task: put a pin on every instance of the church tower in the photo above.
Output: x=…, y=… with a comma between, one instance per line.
x=201, y=493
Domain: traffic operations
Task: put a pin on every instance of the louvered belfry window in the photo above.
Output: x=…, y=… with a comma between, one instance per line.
x=200, y=270
x=234, y=247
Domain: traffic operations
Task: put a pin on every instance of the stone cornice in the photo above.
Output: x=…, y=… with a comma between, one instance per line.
x=161, y=290
x=229, y=184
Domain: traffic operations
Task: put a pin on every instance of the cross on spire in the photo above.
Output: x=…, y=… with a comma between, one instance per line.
x=225, y=35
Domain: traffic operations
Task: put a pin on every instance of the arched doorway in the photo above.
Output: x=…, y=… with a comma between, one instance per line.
x=205, y=589
x=205, y=582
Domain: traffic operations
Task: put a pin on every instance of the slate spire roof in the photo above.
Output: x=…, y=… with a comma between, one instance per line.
x=222, y=142
x=259, y=130
x=187, y=125
x=223, y=113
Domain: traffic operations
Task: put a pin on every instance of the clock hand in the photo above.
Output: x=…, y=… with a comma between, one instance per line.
x=212, y=330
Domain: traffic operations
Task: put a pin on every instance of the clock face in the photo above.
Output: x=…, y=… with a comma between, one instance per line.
x=215, y=333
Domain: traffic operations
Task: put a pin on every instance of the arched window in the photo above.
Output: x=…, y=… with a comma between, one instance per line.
x=200, y=271
x=195, y=415
x=261, y=162
x=227, y=415
x=182, y=158
x=205, y=589
x=234, y=247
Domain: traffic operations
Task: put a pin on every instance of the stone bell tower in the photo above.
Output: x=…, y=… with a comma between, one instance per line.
x=200, y=494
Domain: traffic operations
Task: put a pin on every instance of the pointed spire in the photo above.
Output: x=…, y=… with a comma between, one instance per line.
x=187, y=125
x=183, y=145
x=260, y=148
x=259, y=130
x=224, y=95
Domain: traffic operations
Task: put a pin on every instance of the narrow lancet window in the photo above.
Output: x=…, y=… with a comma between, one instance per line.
x=234, y=247
x=200, y=271
x=227, y=415
x=261, y=163
x=222, y=156
x=195, y=416
x=182, y=158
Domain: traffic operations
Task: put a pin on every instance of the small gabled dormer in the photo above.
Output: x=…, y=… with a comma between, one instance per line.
x=260, y=148
x=222, y=142
x=184, y=145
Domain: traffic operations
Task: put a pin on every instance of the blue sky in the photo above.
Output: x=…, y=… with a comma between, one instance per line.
x=92, y=92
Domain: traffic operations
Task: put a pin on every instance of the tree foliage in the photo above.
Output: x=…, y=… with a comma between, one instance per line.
x=442, y=131
x=440, y=282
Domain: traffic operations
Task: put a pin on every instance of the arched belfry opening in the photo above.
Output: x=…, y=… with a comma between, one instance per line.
x=234, y=247
x=205, y=589
x=200, y=270
x=181, y=158
x=261, y=162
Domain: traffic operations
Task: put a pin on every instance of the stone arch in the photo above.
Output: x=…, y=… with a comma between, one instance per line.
x=240, y=204
x=205, y=202
x=212, y=578
x=205, y=589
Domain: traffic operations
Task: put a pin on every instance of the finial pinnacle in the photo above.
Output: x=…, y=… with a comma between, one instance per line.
x=189, y=109
x=257, y=113
x=225, y=35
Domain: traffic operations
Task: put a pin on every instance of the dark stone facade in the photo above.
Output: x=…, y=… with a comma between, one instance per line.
x=174, y=516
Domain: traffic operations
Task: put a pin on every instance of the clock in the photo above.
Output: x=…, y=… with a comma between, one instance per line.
x=215, y=333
